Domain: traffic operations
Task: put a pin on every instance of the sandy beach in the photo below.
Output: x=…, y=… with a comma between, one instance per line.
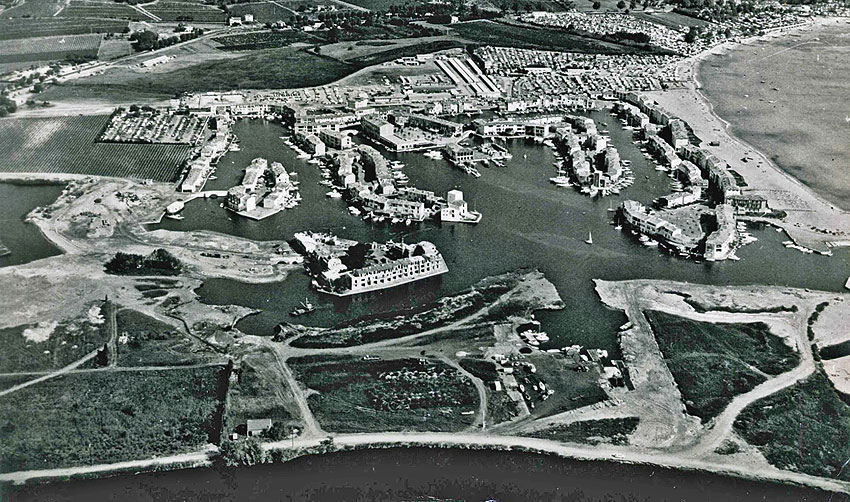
x=813, y=221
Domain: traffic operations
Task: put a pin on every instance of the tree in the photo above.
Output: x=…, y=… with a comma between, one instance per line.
x=692, y=35
x=597, y=5
x=144, y=40
x=245, y=452
x=621, y=4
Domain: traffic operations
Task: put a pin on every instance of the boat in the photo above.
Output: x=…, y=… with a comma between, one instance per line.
x=333, y=194
x=303, y=308
x=175, y=217
x=589, y=238
x=354, y=211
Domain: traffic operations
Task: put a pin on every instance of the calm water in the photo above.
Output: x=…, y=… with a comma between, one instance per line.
x=23, y=239
x=528, y=222
x=416, y=474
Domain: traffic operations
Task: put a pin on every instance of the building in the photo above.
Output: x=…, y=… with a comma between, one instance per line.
x=196, y=177
x=719, y=244
x=253, y=173
x=256, y=427
x=748, y=203
x=313, y=145
x=335, y=140
x=457, y=210
x=377, y=127
x=457, y=153
x=240, y=199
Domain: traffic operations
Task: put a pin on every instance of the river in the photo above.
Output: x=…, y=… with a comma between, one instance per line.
x=528, y=222
x=423, y=475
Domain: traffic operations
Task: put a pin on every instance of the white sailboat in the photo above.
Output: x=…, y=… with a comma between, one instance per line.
x=589, y=238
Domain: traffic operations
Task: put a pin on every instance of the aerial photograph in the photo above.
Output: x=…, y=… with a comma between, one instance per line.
x=425, y=250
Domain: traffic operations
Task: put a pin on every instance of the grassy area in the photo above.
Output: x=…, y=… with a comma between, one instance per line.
x=102, y=417
x=803, y=428
x=495, y=33
x=404, y=394
x=607, y=430
x=187, y=11
x=257, y=393
x=105, y=10
x=573, y=389
x=68, y=145
x=671, y=20
x=27, y=28
x=712, y=363
x=46, y=346
x=260, y=40
x=50, y=48
x=145, y=341
x=264, y=12
x=34, y=8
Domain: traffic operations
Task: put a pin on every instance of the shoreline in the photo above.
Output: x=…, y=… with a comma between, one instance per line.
x=812, y=221
x=437, y=440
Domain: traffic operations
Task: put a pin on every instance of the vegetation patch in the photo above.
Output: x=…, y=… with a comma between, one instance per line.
x=46, y=346
x=159, y=262
x=404, y=394
x=260, y=40
x=110, y=416
x=405, y=51
x=256, y=393
x=145, y=341
x=500, y=407
x=29, y=28
x=737, y=309
x=804, y=428
x=712, y=363
x=607, y=430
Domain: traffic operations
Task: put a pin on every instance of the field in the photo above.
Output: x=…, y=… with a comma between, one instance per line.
x=50, y=48
x=49, y=345
x=261, y=40
x=671, y=20
x=803, y=428
x=404, y=51
x=111, y=10
x=360, y=396
x=113, y=49
x=712, y=363
x=493, y=33
x=264, y=12
x=34, y=8
x=110, y=416
x=185, y=11
x=607, y=430
x=259, y=392
x=67, y=145
x=145, y=341
x=11, y=29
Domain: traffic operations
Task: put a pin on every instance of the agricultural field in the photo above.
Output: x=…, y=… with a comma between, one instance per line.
x=34, y=8
x=110, y=415
x=803, y=428
x=403, y=394
x=672, y=20
x=11, y=29
x=51, y=345
x=712, y=363
x=261, y=40
x=110, y=10
x=606, y=430
x=145, y=341
x=50, y=48
x=114, y=48
x=186, y=11
x=494, y=33
x=69, y=145
x=264, y=12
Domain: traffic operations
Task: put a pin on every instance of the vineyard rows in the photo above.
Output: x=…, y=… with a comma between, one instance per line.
x=68, y=145
x=184, y=11
x=11, y=29
x=86, y=8
x=51, y=44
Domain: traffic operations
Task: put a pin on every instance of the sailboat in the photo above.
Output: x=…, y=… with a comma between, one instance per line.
x=589, y=238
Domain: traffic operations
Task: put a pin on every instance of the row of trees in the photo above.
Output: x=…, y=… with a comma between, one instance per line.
x=146, y=40
x=159, y=262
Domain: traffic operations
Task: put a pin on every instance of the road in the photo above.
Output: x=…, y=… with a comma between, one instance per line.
x=67, y=369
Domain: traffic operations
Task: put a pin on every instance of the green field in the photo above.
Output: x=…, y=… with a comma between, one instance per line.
x=109, y=416
x=68, y=145
x=258, y=393
x=50, y=48
x=712, y=363
x=145, y=341
x=804, y=428
x=27, y=28
x=104, y=10
x=358, y=396
x=494, y=33
x=671, y=20
x=46, y=347
x=186, y=11
x=260, y=40
x=607, y=430
x=34, y=8
x=264, y=12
